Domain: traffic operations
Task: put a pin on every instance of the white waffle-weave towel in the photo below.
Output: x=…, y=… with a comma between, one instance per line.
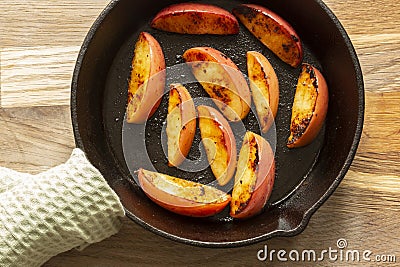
x=68, y=206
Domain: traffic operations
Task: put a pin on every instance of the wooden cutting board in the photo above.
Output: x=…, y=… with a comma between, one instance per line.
x=38, y=48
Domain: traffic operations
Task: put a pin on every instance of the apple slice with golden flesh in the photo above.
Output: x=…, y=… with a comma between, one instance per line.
x=219, y=143
x=196, y=18
x=181, y=124
x=181, y=196
x=264, y=86
x=310, y=106
x=221, y=79
x=254, y=177
x=147, y=79
x=273, y=31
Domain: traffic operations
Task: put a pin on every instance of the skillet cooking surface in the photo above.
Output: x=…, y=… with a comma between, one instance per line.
x=292, y=165
x=304, y=176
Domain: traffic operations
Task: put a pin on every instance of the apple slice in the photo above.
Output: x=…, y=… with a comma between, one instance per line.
x=254, y=177
x=219, y=143
x=181, y=124
x=147, y=80
x=264, y=86
x=195, y=18
x=221, y=79
x=182, y=196
x=310, y=106
x=273, y=31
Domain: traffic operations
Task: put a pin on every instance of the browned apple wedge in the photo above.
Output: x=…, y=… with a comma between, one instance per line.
x=181, y=124
x=273, y=31
x=219, y=143
x=264, y=86
x=221, y=79
x=310, y=106
x=195, y=18
x=254, y=177
x=147, y=80
x=182, y=196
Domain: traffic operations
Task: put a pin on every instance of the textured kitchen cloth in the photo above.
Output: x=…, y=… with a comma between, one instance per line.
x=68, y=206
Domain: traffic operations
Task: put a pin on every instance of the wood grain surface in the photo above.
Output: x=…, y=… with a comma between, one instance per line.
x=39, y=43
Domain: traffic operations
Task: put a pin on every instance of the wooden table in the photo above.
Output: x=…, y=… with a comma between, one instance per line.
x=39, y=45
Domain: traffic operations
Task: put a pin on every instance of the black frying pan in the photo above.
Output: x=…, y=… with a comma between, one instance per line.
x=305, y=177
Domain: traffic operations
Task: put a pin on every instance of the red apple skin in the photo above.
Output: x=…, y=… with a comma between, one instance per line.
x=196, y=18
x=178, y=204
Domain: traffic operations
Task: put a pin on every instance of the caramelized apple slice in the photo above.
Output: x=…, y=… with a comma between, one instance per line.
x=182, y=196
x=219, y=143
x=254, y=177
x=310, y=106
x=273, y=31
x=264, y=86
x=181, y=124
x=195, y=18
x=147, y=80
x=222, y=80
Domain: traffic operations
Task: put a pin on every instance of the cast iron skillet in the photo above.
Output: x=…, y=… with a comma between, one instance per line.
x=305, y=177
